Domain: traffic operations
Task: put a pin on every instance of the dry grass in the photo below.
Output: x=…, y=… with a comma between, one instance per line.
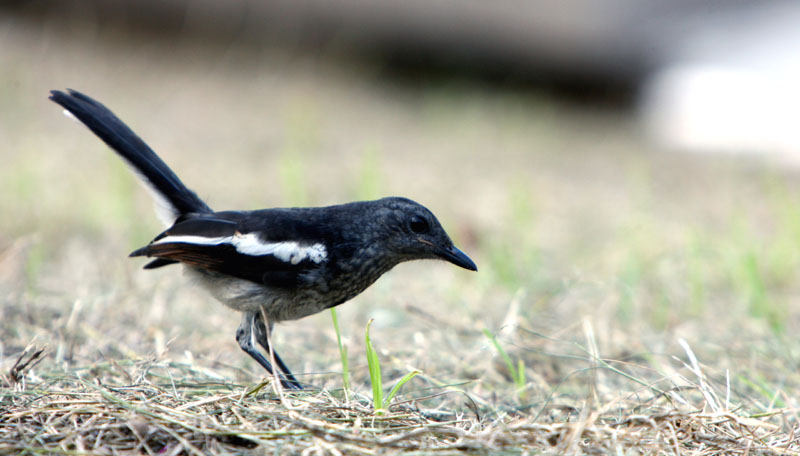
x=646, y=302
x=115, y=409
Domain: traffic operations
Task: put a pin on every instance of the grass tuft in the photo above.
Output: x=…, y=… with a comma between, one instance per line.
x=381, y=403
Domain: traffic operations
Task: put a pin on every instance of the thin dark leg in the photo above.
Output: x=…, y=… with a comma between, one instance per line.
x=260, y=331
x=245, y=336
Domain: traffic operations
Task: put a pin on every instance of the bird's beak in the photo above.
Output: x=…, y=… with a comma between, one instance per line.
x=457, y=257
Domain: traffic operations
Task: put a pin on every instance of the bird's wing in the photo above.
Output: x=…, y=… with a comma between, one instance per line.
x=221, y=242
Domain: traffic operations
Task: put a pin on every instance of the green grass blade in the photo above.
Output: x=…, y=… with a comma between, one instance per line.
x=342, y=351
x=503, y=354
x=397, y=387
x=374, y=371
x=520, y=378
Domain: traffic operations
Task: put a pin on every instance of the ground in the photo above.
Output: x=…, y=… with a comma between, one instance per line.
x=628, y=300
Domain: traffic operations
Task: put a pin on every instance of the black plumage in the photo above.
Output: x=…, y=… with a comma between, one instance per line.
x=273, y=264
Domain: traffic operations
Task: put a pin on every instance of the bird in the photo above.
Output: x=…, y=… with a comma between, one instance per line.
x=273, y=264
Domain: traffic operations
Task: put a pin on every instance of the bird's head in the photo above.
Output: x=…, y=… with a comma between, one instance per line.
x=410, y=231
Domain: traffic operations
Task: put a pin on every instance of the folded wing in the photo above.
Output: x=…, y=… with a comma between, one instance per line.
x=222, y=245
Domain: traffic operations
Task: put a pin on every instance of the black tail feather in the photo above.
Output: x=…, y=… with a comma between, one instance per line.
x=129, y=146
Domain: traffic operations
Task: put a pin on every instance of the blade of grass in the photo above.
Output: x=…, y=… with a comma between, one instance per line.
x=517, y=372
x=374, y=371
x=397, y=387
x=342, y=352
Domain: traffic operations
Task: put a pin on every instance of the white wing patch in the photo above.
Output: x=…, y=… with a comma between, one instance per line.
x=250, y=244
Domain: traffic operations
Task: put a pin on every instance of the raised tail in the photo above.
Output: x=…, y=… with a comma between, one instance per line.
x=172, y=197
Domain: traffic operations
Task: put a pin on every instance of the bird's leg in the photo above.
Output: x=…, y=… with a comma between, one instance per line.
x=246, y=336
x=288, y=380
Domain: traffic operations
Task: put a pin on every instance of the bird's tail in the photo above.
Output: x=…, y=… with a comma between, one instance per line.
x=173, y=198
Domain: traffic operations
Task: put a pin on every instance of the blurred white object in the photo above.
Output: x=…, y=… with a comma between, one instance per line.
x=733, y=86
x=717, y=109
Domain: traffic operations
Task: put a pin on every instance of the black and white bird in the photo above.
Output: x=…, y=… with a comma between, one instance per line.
x=273, y=264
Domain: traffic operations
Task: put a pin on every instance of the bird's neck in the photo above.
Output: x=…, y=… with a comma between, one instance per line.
x=363, y=269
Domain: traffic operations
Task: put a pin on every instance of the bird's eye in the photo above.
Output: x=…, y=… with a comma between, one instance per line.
x=418, y=225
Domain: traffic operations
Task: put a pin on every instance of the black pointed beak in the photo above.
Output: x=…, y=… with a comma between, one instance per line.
x=457, y=257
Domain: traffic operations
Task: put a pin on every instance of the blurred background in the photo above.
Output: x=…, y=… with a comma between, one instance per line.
x=626, y=166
